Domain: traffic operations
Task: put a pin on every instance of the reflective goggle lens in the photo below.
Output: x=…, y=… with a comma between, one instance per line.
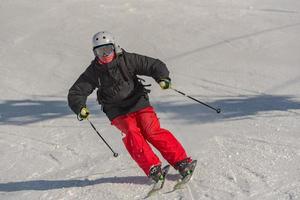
x=104, y=50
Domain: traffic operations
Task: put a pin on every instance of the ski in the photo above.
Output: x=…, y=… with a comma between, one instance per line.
x=182, y=181
x=160, y=184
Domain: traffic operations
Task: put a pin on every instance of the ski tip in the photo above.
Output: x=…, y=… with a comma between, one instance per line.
x=194, y=162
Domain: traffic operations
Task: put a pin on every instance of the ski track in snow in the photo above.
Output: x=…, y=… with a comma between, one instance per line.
x=241, y=56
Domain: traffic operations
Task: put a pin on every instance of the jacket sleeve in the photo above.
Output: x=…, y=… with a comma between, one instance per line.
x=81, y=89
x=147, y=66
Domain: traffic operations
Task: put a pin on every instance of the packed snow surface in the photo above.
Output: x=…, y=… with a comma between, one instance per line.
x=241, y=56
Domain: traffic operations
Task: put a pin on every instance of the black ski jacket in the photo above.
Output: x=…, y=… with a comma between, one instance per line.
x=120, y=91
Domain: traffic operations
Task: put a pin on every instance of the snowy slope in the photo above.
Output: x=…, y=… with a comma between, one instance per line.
x=242, y=56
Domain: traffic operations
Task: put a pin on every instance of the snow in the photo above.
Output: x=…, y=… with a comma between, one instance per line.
x=241, y=56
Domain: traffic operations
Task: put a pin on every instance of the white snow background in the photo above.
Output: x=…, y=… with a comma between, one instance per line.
x=241, y=56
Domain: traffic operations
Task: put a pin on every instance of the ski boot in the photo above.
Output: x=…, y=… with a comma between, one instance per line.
x=156, y=173
x=185, y=167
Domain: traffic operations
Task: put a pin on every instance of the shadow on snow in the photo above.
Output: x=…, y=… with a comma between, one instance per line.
x=22, y=112
x=232, y=108
x=58, y=184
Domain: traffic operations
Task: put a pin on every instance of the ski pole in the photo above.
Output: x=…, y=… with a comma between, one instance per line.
x=115, y=154
x=218, y=110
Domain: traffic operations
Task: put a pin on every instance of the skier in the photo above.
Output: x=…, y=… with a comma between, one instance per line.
x=125, y=101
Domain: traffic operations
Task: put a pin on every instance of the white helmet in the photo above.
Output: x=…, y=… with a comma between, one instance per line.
x=104, y=38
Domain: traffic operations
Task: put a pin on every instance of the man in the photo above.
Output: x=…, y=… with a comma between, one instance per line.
x=125, y=101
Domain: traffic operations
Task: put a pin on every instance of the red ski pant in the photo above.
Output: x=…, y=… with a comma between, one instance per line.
x=142, y=127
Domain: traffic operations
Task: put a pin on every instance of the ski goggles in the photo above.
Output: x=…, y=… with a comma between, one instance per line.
x=104, y=50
